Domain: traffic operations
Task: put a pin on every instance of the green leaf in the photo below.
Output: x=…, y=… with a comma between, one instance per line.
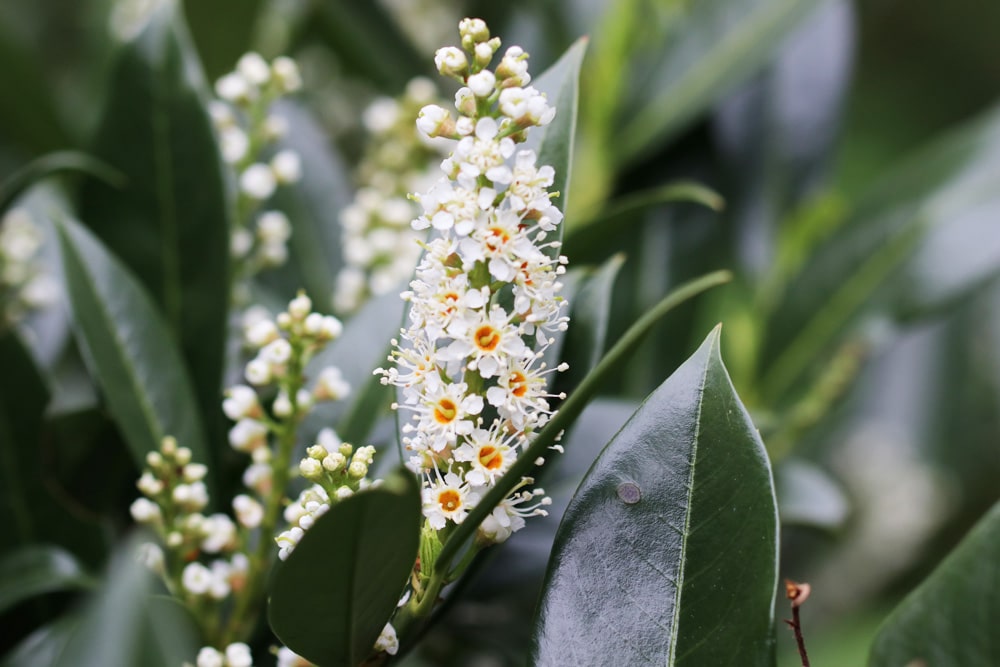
x=28, y=511
x=667, y=552
x=711, y=45
x=126, y=624
x=554, y=142
x=53, y=163
x=170, y=225
x=37, y=570
x=590, y=312
x=368, y=42
x=42, y=647
x=313, y=205
x=952, y=617
x=336, y=591
x=128, y=347
x=220, y=49
x=895, y=258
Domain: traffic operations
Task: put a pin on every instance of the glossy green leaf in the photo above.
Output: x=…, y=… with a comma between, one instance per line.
x=28, y=511
x=895, y=257
x=711, y=45
x=128, y=347
x=37, y=570
x=336, y=591
x=590, y=312
x=42, y=647
x=952, y=617
x=554, y=142
x=667, y=552
x=126, y=624
x=170, y=224
x=313, y=205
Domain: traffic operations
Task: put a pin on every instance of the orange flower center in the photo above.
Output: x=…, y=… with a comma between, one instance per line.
x=487, y=338
x=518, y=384
x=445, y=411
x=449, y=500
x=490, y=457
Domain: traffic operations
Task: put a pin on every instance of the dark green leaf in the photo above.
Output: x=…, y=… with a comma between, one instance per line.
x=366, y=39
x=125, y=624
x=667, y=553
x=220, y=49
x=330, y=600
x=952, y=617
x=895, y=258
x=36, y=570
x=711, y=45
x=807, y=496
x=28, y=511
x=554, y=142
x=590, y=310
x=42, y=647
x=313, y=205
x=170, y=224
x=128, y=346
x=51, y=164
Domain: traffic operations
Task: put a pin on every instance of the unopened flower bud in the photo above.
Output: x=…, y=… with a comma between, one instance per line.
x=482, y=84
x=311, y=469
x=299, y=307
x=434, y=121
x=451, y=61
x=254, y=69
x=286, y=73
x=258, y=181
x=287, y=167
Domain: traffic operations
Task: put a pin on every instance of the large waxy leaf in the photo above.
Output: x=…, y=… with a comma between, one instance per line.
x=220, y=49
x=336, y=591
x=952, y=617
x=129, y=348
x=711, y=45
x=126, y=624
x=554, y=142
x=667, y=553
x=894, y=259
x=313, y=205
x=37, y=570
x=170, y=224
x=28, y=511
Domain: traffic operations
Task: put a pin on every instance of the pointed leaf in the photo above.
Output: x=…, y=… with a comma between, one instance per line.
x=50, y=164
x=170, y=224
x=126, y=342
x=330, y=600
x=37, y=570
x=952, y=617
x=554, y=143
x=667, y=553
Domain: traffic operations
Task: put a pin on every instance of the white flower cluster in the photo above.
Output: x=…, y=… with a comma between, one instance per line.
x=485, y=301
x=24, y=284
x=235, y=655
x=283, y=346
x=246, y=130
x=380, y=248
x=337, y=471
x=174, y=495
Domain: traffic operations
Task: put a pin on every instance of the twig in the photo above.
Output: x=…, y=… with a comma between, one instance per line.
x=797, y=593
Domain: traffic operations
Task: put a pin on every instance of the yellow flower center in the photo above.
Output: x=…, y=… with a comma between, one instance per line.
x=450, y=500
x=487, y=338
x=490, y=457
x=445, y=411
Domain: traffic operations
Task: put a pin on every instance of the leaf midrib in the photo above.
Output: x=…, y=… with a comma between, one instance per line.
x=678, y=589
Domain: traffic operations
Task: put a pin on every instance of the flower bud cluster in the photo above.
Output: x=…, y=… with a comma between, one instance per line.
x=485, y=302
x=283, y=347
x=173, y=498
x=379, y=246
x=247, y=131
x=24, y=284
x=337, y=471
x=236, y=654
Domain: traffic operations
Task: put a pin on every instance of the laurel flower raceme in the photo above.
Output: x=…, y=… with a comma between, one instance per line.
x=484, y=304
x=24, y=283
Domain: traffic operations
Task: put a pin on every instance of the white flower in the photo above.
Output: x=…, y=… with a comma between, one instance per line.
x=238, y=655
x=447, y=499
x=235, y=88
x=273, y=227
x=258, y=372
x=433, y=121
x=277, y=352
x=196, y=579
x=387, y=640
x=249, y=512
x=286, y=166
x=191, y=497
x=209, y=657
x=299, y=307
x=286, y=72
x=288, y=658
x=233, y=143
x=330, y=385
x=241, y=401
x=218, y=533
x=482, y=83
x=450, y=61
x=254, y=69
x=247, y=435
x=258, y=182
x=144, y=510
